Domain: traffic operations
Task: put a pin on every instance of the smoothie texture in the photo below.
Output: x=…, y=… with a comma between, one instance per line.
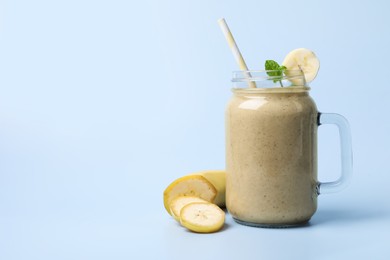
x=271, y=156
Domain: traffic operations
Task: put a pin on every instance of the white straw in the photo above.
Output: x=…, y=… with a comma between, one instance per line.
x=236, y=52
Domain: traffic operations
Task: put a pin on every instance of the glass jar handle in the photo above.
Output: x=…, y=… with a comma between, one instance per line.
x=346, y=153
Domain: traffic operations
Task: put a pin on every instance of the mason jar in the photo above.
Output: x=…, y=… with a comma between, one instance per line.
x=271, y=150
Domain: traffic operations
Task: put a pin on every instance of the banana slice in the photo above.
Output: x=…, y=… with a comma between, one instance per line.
x=218, y=179
x=202, y=217
x=191, y=185
x=305, y=60
x=178, y=203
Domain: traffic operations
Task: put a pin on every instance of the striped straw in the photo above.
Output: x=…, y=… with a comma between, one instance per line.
x=236, y=52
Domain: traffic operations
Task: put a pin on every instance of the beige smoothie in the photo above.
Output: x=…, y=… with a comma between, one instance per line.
x=271, y=156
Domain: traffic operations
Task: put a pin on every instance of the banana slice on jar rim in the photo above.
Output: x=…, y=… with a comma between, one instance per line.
x=305, y=60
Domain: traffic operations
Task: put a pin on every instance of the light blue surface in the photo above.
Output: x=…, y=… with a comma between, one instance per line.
x=104, y=103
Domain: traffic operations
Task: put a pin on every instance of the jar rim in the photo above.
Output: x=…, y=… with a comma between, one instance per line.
x=257, y=75
x=269, y=79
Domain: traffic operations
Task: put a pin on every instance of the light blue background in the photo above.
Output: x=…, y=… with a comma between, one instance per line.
x=104, y=103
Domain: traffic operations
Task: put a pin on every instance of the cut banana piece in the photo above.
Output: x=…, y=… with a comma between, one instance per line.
x=305, y=60
x=191, y=185
x=202, y=217
x=178, y=203
x=218, y=179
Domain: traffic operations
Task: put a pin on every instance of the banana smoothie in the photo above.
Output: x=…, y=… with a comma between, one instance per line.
x=271, y=141
x=271, y=156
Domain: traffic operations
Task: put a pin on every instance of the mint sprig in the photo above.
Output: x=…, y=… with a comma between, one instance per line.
x=277, y=70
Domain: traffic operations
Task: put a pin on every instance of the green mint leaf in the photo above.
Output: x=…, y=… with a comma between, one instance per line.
x=277, y=70
x=272, y=65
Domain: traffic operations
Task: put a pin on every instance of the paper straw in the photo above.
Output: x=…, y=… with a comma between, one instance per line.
x=234, y=48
